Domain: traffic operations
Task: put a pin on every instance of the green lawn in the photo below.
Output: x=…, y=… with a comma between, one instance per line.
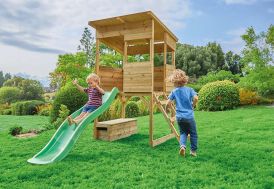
x=235, y=151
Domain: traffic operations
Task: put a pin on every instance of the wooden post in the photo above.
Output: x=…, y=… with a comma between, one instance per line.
x=151, y=53
x=123, y=99
x=97, y=63
x=173, y=58
x=165, y=62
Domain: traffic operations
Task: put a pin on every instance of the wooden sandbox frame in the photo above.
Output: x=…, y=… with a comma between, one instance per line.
x=133, y=34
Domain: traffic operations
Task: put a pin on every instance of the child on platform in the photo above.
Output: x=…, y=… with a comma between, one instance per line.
x=186, y=99
x=94, y=92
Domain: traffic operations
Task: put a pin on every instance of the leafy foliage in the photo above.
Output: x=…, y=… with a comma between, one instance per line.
x=63, y=114
x=15, y=130
x=218, y=95
x=26, y=107
x=4, y=77
x=218, y=76
x=233, y=63
x=132, y=109
x=198, y=61
x=88, y=46
x=30, y=89
x=248, y=97
x=69, y=67
x=258, y=60
x=69, y=96
x=9, y=94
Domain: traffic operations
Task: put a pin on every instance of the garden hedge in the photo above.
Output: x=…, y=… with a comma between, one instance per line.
x=218, y=95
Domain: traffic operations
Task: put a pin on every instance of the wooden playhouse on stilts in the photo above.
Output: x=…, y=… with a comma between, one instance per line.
x=137, y=34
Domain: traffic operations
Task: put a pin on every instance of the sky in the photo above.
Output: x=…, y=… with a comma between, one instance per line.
x=33, y=33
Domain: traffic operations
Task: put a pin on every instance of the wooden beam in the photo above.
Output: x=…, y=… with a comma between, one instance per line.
x=173, y=58
x=151, y=55
x=165, y=62
x=162, y=139
x=97, y=61
x=170, y=41
x=123, y=29
x=120, y=19
x=137, y=36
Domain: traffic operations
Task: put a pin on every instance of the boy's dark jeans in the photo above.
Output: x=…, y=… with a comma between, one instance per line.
x=188, y=126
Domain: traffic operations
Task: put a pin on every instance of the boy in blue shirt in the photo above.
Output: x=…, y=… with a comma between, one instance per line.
x=186, y=99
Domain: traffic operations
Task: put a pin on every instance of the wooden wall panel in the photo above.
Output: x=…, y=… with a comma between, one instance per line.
x=158, y=78
x=169, y=71
x=137, y=77
x=111, y=77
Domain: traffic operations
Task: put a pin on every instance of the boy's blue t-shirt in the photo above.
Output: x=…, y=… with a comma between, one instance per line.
x=183, y=97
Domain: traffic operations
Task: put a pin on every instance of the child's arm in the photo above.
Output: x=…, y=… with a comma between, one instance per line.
x=79, y=87
x=99, y=89
x=195, y=100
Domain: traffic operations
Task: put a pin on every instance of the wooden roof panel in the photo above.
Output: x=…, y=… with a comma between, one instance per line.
x=137, y=17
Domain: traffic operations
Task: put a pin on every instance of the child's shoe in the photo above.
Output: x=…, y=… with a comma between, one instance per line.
x=182, y=151
x=193, y=153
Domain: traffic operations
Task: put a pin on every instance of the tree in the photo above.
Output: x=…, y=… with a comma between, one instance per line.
x=7, y=76
x=217, y=51
x=233, y=62
x=87, y=46
x=2, y=78
x=9, y=94
x=30, y=89
x=69, y=67
x=258, y=61
x=195, y=61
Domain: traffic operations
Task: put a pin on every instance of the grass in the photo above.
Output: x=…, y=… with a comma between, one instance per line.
x=235, y=151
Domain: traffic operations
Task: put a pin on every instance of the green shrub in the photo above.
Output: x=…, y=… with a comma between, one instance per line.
x=44, y=112
x=115, y=109
x=16, y=130
x=9, y=94
x=7, y=112
x=134, y=98
x=143, y=108
x=26, y=107
x=105, y=116
x=70, y=96
x=63, y=114
x=197, y=87
x=218, y=95
x=132, y=109
x=218, y=76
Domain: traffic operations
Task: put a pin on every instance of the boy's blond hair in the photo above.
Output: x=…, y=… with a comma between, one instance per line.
x=94, y=77
x=178, y=78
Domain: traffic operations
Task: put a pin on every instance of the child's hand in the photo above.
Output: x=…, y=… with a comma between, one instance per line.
x=75, y=81
x=93, y=84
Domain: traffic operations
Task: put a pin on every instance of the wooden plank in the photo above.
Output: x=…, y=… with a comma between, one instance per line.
x=97, y=56
x=173, y=59
x=165, y=66
x=162, y=139
x=124, y=29
x=170, y=41
x=136, y=36
x=110, y=42
x=151, y=55
x=116, y=121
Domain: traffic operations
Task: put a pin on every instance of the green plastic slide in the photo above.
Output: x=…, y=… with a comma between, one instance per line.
x=65, y=137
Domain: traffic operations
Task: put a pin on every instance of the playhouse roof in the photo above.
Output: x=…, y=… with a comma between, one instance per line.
x=117, y=42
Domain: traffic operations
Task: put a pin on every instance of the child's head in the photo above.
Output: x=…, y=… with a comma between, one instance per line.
x=93, y=78
x=178, y=78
